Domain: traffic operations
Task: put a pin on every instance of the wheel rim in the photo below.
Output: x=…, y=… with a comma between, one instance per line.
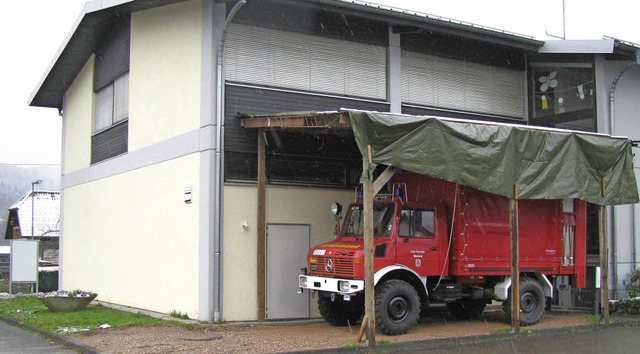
x=399, y=309
x=528, y=302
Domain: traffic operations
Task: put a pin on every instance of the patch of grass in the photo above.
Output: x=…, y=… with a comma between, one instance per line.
x=30, y=311
x=179, y=315
x=593, y=319
x=352, y=345
x=502, y=330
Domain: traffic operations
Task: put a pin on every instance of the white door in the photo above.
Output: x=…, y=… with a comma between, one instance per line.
x=287, y=247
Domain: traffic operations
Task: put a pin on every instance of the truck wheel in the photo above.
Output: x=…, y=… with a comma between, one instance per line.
x=339, y=312
x=397, y=307
x=532, y=302
x=466, y=308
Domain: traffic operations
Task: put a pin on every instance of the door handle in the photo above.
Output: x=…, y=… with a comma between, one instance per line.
x=433, y=249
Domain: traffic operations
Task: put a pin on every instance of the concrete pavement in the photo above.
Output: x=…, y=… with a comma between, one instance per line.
x=20, y=339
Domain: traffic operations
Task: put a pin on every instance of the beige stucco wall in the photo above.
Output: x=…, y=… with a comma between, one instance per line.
x=164, y=77
x=284, y=205
x=77, y=121
x=144, y=252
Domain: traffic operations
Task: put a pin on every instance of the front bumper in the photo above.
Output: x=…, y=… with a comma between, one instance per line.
x=333, y=285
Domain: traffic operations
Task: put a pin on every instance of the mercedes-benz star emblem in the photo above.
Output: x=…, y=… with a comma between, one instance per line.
x=328, y=266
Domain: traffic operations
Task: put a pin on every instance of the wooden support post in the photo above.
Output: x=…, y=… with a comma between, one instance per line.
x=604, y=264
x=369, y=300
x=515, y=263
x=261, y=228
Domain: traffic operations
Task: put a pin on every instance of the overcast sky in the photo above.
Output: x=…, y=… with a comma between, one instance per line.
x=32, y=32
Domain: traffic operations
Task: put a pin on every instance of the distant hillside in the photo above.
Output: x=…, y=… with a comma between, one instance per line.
x=15, y=182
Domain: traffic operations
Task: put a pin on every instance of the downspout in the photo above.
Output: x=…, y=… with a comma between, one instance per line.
x=614, y=250
x=217, y=225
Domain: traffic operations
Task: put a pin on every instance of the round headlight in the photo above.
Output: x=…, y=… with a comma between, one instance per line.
x=336, y=209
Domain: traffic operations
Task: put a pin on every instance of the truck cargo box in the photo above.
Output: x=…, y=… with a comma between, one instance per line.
x=552, y=233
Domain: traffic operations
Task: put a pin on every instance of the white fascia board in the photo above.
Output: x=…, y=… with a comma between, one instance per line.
x=596, y=46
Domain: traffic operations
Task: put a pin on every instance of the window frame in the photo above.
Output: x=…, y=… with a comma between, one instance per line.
x=123, y=108
x=413, y=230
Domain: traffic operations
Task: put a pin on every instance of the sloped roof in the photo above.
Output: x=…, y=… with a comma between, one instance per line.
x=46, y=214
x=98, y=16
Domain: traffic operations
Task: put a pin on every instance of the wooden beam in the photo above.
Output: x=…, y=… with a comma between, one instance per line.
x=384, y=177
x=369, y=296
x=515, y=263
x=604, y=263
x=261, y=228
x=336, y=120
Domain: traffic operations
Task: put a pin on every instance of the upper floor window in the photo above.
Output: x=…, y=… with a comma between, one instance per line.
x=112, y=103
x=563, y=95
x=111, y=88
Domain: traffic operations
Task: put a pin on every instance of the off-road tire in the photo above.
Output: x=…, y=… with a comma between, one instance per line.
x=466, y=309
x=397, y=307
x=340, y=313
x=532, y=302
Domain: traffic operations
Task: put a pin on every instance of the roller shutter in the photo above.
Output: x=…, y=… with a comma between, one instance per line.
x=304, y=62
x=448, y=83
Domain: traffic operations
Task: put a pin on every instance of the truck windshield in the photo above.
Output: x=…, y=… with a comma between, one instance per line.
x=382, y=220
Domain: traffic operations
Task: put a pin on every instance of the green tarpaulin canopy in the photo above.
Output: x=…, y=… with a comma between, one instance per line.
x=543, y=163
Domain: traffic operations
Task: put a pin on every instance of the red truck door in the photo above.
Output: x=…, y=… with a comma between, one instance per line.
x=417, y=243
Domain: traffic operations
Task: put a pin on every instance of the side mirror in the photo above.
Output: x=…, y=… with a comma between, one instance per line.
x=336, y=209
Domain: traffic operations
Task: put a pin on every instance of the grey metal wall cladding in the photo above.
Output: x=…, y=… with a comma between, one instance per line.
x=250, y=100
x=314, y=19
x=467, y=49
x=111, y=142
x=112, y=57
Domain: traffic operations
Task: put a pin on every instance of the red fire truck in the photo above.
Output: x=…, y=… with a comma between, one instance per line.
x=440, y=242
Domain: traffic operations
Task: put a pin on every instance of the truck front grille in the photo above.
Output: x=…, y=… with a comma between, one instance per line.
x=333, y=266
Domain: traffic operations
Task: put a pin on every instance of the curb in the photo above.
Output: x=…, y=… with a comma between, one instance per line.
x=425, y=345
x=49, y=336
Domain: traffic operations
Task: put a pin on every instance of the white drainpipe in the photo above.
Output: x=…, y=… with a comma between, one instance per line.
x=217, y=215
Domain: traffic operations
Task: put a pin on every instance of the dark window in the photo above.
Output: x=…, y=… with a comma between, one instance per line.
x=563, y=96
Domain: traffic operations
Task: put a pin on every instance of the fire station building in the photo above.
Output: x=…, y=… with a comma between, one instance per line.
x=159, y=199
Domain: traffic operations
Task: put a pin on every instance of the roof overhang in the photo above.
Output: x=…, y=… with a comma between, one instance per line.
x=99, y=15
x=402, y=17
x=607, y=45
x=85, y=35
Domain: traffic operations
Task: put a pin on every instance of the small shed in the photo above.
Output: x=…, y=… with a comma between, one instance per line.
x=37, y=216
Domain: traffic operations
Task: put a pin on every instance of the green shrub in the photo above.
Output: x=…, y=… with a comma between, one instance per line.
x=631, y=304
